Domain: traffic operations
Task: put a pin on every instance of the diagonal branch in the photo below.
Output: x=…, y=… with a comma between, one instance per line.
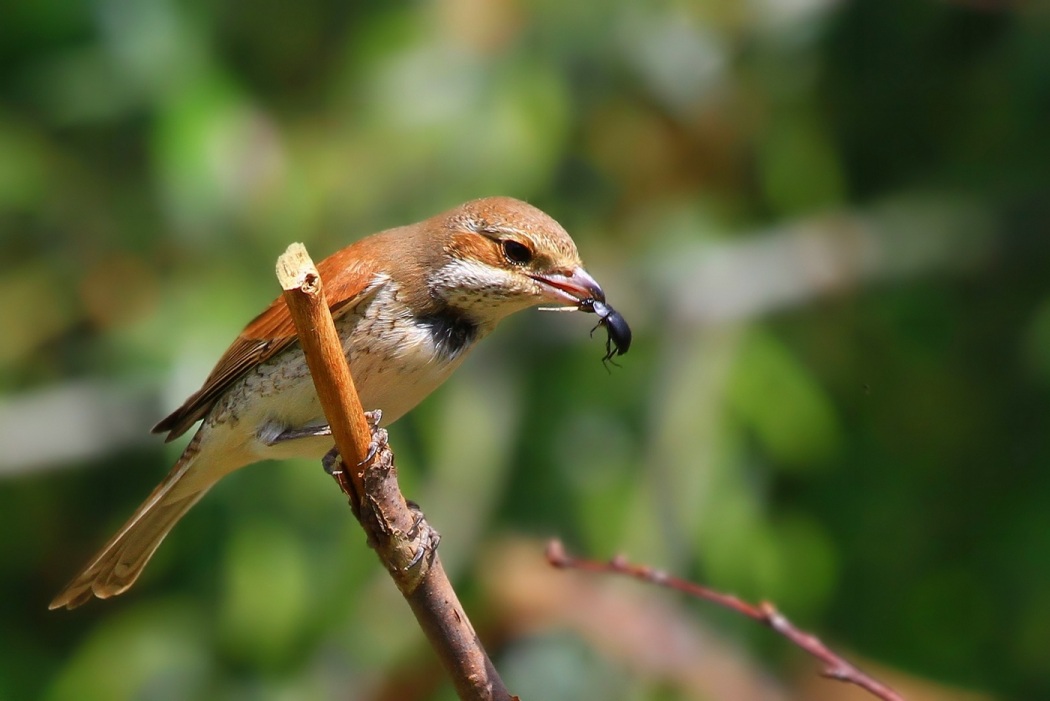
x=835, y=667
x=402, y=539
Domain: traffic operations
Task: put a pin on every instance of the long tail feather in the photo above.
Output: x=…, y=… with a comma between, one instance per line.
x=120, y=562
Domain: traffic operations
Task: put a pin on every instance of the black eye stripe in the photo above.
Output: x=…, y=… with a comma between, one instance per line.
x=515, y=252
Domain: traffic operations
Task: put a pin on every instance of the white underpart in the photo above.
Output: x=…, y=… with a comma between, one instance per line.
x=402, y=366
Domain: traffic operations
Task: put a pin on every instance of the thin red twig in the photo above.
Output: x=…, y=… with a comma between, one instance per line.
x=835, y=667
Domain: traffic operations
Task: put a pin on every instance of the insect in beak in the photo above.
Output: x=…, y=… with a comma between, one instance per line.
x=615, y=325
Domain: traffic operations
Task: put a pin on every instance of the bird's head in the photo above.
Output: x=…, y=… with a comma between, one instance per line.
x=502, y=255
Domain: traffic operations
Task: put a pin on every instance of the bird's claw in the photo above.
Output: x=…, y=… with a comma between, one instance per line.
x=333, y=461
x=427, y=537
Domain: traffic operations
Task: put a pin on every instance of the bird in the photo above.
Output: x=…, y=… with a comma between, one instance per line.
x=409, y=304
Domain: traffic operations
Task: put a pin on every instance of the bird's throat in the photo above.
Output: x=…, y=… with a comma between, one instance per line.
x=452, y=331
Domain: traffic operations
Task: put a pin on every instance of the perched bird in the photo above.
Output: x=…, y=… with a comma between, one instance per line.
x=409, y=304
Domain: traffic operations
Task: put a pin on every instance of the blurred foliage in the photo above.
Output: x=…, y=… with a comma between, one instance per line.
x=827, y=223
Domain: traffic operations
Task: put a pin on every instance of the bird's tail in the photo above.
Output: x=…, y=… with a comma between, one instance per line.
x=120, y=562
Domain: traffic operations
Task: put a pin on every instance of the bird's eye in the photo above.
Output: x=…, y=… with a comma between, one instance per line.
x=516, y=253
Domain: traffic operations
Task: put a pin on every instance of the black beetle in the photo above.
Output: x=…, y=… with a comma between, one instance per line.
x=615, y=325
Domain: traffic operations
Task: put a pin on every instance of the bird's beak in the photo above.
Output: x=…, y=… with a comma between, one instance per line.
x=571, y=289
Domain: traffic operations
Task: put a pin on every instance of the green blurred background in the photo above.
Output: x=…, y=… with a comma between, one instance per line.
x=825, y=221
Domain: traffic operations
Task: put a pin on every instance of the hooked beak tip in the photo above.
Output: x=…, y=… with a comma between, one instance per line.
x=580, y=286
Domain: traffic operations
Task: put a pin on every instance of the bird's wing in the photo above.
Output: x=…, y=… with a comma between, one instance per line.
x=348, y=280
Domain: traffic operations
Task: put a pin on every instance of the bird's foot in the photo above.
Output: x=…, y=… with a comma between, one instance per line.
x=424, y=534
x=333, y=461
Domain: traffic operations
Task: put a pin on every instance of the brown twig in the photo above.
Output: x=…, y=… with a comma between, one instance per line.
x=835, y=667
x=402, y=539
x=306, y=301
